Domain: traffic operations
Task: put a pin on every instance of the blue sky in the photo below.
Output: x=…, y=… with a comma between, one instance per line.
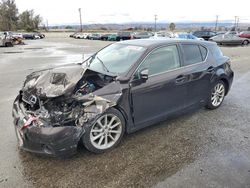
x=116, y=11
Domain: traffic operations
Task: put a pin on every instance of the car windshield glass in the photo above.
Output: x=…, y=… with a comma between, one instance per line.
x=116, y=58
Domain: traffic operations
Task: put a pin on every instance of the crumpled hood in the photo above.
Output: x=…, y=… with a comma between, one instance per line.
x=54, y=82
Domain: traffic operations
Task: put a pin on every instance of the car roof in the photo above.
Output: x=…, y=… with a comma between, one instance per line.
x=158, y=42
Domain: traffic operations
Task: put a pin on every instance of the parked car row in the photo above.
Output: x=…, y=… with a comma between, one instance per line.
x=122, y=35
x=34, y=35
x=230, y=37
x=8, y=38
x=126, y=35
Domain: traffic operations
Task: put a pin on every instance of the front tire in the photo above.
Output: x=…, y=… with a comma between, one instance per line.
x=105, y=133
x=217, y=95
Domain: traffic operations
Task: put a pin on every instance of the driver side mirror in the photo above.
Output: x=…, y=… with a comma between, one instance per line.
x=144, y=74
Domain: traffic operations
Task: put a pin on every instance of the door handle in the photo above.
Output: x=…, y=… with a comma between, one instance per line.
x=180, y=79
x=210, y=69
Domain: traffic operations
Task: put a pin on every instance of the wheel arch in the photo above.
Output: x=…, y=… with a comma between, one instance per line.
x=221, y=75
x=226, y=82
x=125, y=116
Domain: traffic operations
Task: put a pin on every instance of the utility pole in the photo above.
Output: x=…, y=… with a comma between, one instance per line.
x=237, y=25
x=47, y=25
x=216, y=22
x=235, y=22
x=155, y=21
x=80, y=14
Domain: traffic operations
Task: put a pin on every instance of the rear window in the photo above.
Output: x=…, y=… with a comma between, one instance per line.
x=192, y=54
x=217, y=53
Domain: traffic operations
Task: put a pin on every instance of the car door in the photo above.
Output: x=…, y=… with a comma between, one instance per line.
x=198, y=72
x=236, y=40
x=230, y=39
x=164, y=91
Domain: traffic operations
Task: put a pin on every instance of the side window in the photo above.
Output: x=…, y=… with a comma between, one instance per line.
x=203, y=52
x=191, y=54
x=161, y=60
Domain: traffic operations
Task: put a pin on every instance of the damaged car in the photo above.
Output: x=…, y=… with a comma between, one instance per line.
x=120, y=89
x=5, y=40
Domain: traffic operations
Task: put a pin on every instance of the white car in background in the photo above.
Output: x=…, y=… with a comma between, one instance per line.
x=81, y=35
x=17, y=35
x=163, y=35
x=159, y=36
x=187, y=36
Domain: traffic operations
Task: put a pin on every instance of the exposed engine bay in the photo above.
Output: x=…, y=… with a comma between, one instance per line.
x=63, y=108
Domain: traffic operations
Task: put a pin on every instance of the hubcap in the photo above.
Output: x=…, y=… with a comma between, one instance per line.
x=106, y=131
x=218, y=94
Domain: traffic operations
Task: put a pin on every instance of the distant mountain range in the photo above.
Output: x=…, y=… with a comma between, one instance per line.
x=144, y=25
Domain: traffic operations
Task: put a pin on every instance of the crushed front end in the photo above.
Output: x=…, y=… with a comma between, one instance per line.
x=54, y=106
x=38, y=132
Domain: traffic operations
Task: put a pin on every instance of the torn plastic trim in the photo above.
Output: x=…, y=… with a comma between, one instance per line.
x=94, y=106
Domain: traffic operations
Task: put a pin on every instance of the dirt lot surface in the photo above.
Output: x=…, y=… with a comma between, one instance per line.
x=199, y=149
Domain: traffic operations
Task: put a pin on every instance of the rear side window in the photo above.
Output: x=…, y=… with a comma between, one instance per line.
x=216, y=52
x=192, y=54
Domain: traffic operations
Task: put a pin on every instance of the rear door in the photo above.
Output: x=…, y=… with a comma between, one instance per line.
x=198, y=72
x=236, y=40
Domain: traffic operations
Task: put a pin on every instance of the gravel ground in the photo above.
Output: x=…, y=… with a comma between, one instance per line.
x=199, y=149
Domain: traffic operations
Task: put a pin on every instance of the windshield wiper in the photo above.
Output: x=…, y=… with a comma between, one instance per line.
x=104, y=67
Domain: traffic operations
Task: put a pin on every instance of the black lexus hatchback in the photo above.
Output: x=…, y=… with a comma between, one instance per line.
x=124, y=87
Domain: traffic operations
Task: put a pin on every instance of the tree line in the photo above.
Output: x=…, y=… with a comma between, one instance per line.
x=12, y=20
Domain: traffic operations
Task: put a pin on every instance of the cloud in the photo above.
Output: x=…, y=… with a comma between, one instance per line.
x=113, y=11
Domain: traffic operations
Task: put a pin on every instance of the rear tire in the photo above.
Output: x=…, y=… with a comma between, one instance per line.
x=105, y=133
x=245, y=42
x=216, y=95
x=8, y=44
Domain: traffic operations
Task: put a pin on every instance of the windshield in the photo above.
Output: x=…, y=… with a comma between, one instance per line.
x=116, y=58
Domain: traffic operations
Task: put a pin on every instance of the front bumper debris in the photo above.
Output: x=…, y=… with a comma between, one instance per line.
x=52, y=141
